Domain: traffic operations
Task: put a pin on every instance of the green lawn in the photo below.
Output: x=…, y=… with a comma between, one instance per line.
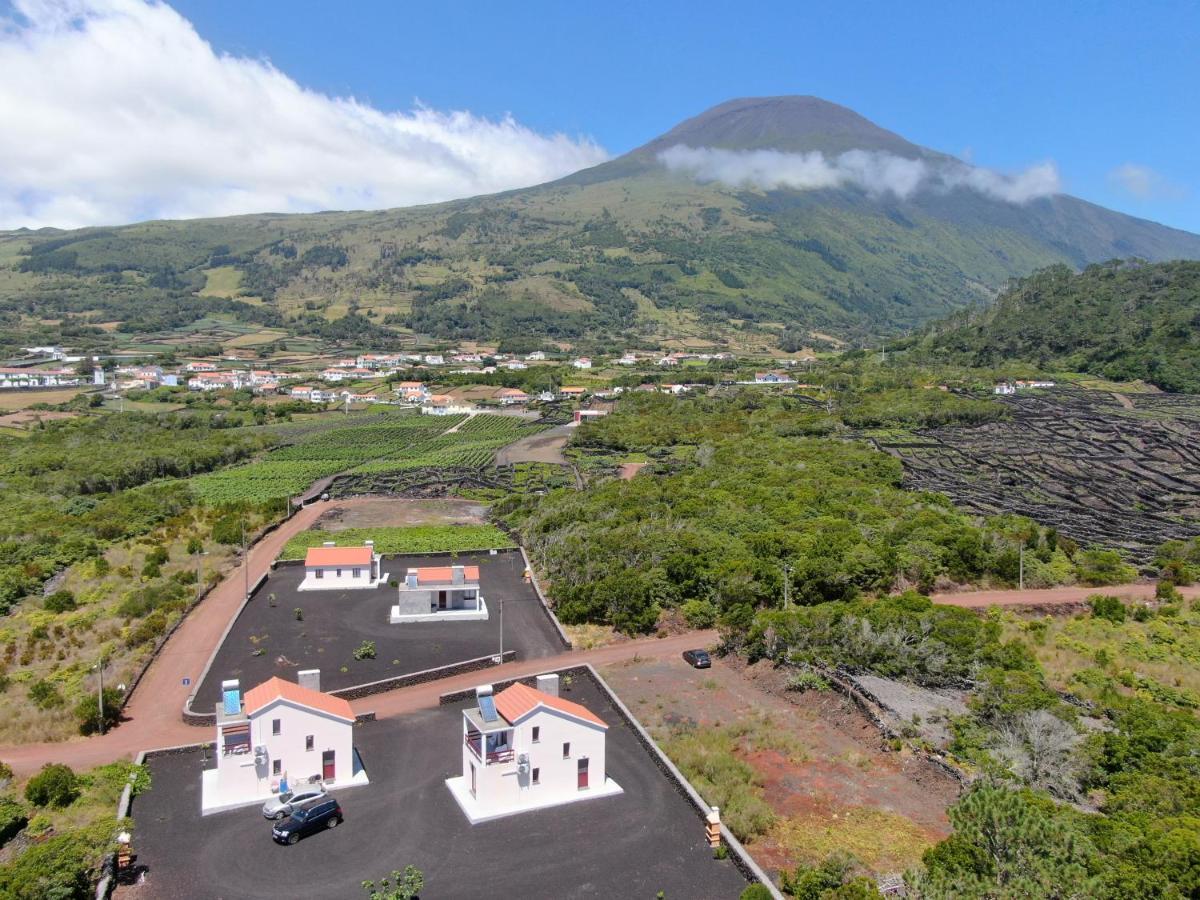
x=413, y=539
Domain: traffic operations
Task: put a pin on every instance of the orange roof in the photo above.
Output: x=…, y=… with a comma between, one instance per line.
x=440, y=574
x=517, y=700
x=338, y=556
x=572, y=390
x=270, y=691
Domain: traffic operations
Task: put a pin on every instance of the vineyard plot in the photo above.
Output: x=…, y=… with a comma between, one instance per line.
x=379, y=444
x=1097, y=470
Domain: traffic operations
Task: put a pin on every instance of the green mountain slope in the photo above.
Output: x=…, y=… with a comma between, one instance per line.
x=1122, y=321
x=626, y=251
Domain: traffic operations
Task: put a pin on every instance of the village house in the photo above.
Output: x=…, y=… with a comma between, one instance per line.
x=439, y=593
x=582, y=415
x=528, y=748
x=772, y=378
x=279, y=736
x=194, y=367
x=582, y=363
x=216, y=381
x=333, y=568
x=28, y=378
x=627, y=360
x=668, y=361
x=511, y=396
x=571, y=392
x=535, y=356
x=513, y=365
x=434, y=359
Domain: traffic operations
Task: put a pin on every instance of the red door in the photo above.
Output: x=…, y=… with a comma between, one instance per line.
x=583, y=773
x=327, y=767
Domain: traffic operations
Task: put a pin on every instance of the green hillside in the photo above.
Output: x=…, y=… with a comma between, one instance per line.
x=1120, y=320
x=622, y=253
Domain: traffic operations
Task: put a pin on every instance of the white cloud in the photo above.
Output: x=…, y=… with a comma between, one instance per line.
x=1144, y=183
x=117, y=110
x=875, y=172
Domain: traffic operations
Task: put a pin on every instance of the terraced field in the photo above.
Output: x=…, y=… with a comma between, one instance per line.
x=1123, y=472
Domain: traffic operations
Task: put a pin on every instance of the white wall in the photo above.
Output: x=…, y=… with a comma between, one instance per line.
x=500, y=788
x=336, y=578
x=288, y=747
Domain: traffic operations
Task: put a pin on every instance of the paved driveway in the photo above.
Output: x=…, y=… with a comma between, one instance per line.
x=634, y=845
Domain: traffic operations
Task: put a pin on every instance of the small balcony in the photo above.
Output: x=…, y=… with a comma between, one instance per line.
x=502, y=755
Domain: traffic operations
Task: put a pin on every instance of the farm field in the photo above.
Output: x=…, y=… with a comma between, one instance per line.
x=1101, y=470
x=406, y=540
x=367, y=447
x=14, y=400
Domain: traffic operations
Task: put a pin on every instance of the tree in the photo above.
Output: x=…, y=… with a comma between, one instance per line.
x=55, y=785
x=87, y=711
x=1105, y=607
x=1007, y=845
x=59, y=602
x=405, y=885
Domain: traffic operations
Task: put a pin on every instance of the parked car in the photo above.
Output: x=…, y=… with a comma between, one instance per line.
x=697, y=659
x=304, y=821
x=282, y=806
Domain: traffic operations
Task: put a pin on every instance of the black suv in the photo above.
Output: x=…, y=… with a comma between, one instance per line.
x=325, y=813
x=697, y=659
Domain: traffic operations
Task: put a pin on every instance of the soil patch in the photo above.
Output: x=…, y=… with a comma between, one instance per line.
x=843, y=791
x=628, y=470
x=382, y=512
x=544, y=447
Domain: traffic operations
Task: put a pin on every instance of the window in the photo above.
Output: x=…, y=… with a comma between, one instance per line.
x=277, y=726
x=320, y=573
x=339, y=573
x=537, y=733
x=308, y=742
x=357, y=573
x=276, y=766
x=537, y=776
x=567, y=750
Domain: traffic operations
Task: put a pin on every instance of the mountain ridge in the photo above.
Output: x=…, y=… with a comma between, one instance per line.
x=624, y=252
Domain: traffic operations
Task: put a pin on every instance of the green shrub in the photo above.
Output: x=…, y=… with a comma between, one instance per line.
x=158, y=555
x=13, y=817
x=1106, y=607
x=44, y=695
x=147, y=630
x=365, y=650
x=60, y=602
x=1097, y=566
x=87, y=711
x=151, y=570
x=55, y=786
x=59, y=869
x=755, y=891
x=699, y=613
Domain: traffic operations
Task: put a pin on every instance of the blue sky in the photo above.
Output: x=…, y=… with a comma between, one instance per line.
x=119, y=110
x=1093, y=86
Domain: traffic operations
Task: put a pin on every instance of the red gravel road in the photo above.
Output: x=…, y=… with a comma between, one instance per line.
x=1060, y=596
x=153, y=720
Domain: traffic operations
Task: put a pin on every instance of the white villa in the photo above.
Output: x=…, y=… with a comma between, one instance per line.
x=440, y=593
x=278, y=736
x=333, y=568
x=526, y=749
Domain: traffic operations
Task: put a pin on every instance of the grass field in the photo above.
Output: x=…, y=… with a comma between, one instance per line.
x=14, y=400
x=413, y=539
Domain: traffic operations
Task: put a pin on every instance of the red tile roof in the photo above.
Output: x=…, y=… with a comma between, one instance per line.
x=444, y=574
x=517, y=700
x=338, y=556
x=275, y=689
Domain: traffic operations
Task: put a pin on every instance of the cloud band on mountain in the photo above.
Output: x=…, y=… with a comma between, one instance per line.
x=875, y=172
x=117, y=110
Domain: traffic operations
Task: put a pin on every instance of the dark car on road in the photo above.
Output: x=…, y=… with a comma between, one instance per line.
x=697, y=659
x=304, y=821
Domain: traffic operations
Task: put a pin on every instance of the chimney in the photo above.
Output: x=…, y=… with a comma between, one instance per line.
x=309, y=678
x=329, y=544
x=457, y=575
x=231, y=697
x=410, y=578
x=548, y=684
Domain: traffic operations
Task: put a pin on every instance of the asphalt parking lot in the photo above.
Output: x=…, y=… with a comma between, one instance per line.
x=634, y=845
x=336, y=622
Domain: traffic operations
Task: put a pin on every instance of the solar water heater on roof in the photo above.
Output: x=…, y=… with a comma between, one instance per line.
x=487, y=708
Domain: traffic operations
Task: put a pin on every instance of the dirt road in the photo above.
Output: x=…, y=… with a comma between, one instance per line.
x=545, y=446
x=1059, y=596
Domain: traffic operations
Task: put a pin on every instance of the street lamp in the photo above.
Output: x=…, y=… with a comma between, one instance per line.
x=787, y=594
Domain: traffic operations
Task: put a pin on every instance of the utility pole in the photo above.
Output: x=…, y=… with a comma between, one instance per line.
x=100, y=692
x=501, y=632
x=199, y=573
x=787, y=594
x=245, y=558
x=1021, y=567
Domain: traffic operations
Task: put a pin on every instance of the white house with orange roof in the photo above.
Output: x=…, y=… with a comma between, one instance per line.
x=528, y=748
x=333, y=568
x=440, y=594
x=511, y=396
x=279, y=735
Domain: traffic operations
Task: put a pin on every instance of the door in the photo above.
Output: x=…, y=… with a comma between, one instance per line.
x=582, y=768
x=441, y=599
x=327, y=765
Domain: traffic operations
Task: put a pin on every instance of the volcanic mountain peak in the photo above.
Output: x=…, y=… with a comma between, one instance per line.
x=790, y=123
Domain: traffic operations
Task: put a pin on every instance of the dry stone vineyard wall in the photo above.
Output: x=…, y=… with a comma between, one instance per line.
x=1119, y=473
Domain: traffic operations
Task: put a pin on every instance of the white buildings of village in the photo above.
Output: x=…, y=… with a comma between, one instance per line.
x=30, y=378
x=439, y=593
x=280, y=735
x=333, y=568
x=526, y=749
